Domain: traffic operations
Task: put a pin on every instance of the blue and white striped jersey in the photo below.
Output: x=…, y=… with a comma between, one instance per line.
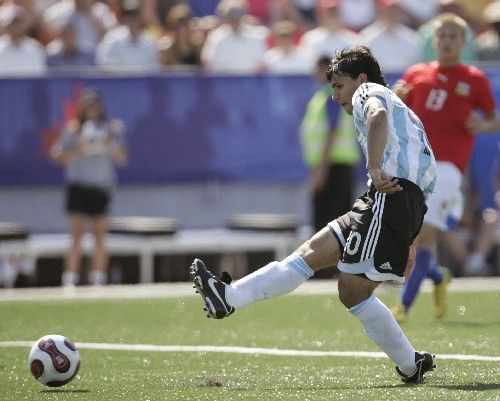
x=408, y=153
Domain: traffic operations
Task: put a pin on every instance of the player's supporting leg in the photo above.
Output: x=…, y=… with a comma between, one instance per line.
x=380, y=326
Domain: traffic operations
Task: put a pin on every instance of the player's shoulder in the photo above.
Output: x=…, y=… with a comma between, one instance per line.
x=367, y=90
x=419, y=69
x=422, y=67
x=473, y=71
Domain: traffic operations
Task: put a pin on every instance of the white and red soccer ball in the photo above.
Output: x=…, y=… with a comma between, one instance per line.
x=54, y=360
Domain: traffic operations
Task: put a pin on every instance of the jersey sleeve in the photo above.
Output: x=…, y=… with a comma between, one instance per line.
x=366, y=91
x=484, y=99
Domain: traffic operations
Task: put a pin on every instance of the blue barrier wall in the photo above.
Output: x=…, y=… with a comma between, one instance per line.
x=179, y=128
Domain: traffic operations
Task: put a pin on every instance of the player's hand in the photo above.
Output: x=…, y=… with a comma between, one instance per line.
x=383, y=182
x=401, y=88
x=116, y=127
x=478, y=124
x=475, y=123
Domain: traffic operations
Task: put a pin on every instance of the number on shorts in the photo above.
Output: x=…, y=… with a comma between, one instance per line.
x=353, y=242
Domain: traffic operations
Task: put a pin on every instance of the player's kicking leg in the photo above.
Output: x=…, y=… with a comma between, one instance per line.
x=221, y=297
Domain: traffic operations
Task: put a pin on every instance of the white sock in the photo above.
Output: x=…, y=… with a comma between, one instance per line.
x=384, y=330
x=274, y=279
x=70, y=278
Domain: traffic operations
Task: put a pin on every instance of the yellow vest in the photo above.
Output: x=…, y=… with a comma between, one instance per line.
x=315, y=128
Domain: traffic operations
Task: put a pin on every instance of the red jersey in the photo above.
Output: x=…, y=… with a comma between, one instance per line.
x=443, y=98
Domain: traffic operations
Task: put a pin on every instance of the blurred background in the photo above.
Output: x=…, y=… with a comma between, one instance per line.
x=211, y=95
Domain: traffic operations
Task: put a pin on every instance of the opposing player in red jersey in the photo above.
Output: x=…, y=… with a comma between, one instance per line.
x=445, y=95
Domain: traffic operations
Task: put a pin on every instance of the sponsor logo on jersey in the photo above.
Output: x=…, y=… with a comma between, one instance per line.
x=462, y=89
x=385, y=266
x=442, y=77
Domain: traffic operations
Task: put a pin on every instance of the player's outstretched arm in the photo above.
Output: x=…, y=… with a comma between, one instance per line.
x=488, y=124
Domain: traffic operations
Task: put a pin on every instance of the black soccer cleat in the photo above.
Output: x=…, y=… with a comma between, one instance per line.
x=425, y=363
x=212, y=290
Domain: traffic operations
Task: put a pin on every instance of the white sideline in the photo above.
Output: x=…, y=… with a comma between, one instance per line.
x=245, y=350
x=183, y=289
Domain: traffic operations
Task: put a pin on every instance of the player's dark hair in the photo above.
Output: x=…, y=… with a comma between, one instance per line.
x=355, y=60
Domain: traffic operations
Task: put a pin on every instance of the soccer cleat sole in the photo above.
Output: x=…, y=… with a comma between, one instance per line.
x=198, y=286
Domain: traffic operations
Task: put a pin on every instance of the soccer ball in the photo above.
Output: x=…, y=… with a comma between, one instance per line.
x=54, y=360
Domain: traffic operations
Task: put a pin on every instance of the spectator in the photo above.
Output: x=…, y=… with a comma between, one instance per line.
x=89, y=148
x=473, y=11
x=128, y=47
x=19, y=53
x=330, y=36
x=307, y=11
x=235, y=46
x=426, y=34
x=393, y=43
x=202, y=8
x=330, y=151
x=92, y=20
x=34, y=16
x=63, y=53
x=183, y=42
x=419, y=12
x=285, y=10
x=488, y=42
x=151, y=18
x=286, y=57
x=357, y=14
x=260, y=9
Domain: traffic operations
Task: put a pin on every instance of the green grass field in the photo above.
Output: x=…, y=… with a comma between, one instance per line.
x=301, y=322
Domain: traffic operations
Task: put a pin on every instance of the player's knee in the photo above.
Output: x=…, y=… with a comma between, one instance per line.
x=346, y=294
x=353, y=290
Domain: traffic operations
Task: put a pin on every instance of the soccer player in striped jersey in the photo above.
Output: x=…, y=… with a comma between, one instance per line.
x=445, y=94
x=372, y=242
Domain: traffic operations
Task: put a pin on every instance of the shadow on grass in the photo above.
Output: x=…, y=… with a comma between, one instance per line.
x=469, y=387
x=69, y=391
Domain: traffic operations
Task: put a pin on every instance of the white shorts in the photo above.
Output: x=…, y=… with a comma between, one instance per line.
x=446, y=204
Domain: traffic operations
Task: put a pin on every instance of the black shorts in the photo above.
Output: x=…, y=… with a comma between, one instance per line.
x=375, y=236
x=91, y=201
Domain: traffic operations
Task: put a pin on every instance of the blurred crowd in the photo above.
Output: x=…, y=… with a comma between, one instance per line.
x=228, y=36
